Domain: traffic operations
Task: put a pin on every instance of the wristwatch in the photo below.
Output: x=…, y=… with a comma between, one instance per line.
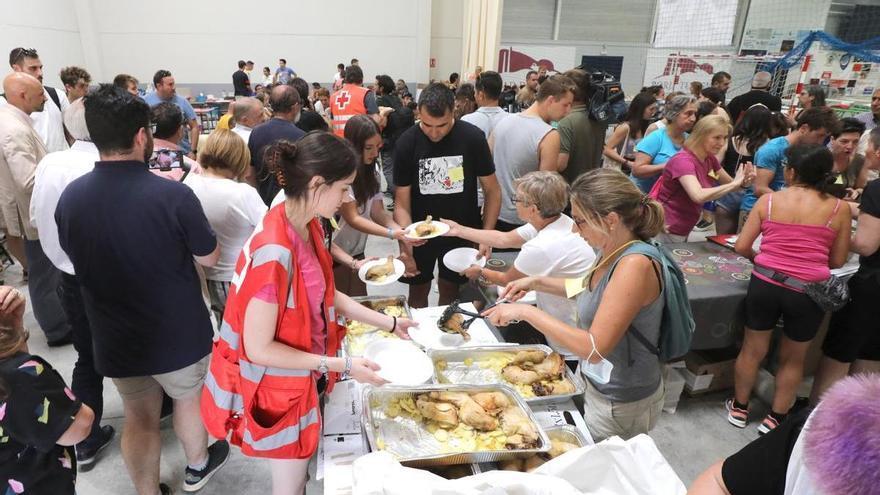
x=322, y=367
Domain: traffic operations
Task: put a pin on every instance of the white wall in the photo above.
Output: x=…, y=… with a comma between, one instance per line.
x=49, y=26
x=200, y=40
x=447, y=24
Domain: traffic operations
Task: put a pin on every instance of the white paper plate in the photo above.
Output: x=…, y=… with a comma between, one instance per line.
x=531, y=296
x=441, y=228
x=399, y=269
x=460, y=259
x=402, y=363
x=429, y=336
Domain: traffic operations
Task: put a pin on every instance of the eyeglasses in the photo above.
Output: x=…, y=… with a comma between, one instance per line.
x=578, y=220
x=516, y=199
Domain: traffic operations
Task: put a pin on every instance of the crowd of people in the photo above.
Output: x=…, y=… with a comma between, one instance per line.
x=209, y=275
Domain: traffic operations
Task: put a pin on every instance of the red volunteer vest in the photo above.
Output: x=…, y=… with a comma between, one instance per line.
x=345, y=104
x=270, y=412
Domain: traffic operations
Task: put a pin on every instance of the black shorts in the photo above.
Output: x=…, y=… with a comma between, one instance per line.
x=766, y=302
x=855, y=330
x=432, y=253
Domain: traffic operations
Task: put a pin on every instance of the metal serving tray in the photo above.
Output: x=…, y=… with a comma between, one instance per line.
x=414, y=446
x=457, y=372
x=354, y=345
x=567, y=433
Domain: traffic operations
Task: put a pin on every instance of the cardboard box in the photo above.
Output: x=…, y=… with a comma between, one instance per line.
x=709, y=370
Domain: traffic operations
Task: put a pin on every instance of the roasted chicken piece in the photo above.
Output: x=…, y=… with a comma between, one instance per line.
x=515, y=374
x=379, y=272
x=559, y=387
x=455, y=324
x=443, y=413
x=511, y=465
x=469, y=412
x=550, y=368
x=492, y=402
x=533, y=357
x=557, y=448
x=521, y=433
x=425, y=228
x=533, y=463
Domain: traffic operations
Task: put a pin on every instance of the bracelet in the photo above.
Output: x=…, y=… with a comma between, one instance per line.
x=390, y=233
x=394, y=324
x=346, y=373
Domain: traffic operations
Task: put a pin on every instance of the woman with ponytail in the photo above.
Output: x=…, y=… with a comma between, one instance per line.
x=280, y=334
x=619, y=297
x=805, y=232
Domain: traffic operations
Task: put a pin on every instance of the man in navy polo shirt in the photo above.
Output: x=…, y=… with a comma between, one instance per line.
x=132, y=237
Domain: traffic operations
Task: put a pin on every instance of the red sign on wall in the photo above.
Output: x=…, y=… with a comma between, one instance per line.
x=433, y=62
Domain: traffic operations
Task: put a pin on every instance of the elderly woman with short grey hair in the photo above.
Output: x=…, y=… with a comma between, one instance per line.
x=655, y=149
x=548, y=243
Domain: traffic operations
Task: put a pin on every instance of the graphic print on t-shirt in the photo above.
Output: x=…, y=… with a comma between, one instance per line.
x=441, y=175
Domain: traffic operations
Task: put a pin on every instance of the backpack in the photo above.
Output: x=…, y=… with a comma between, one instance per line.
x=53, y=94
x=677, y=324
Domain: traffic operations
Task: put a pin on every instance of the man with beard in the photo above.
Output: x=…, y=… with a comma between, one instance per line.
x=132, y=238
x=47, y=121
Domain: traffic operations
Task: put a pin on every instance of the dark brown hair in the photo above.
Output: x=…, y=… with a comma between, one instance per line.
x=318, y=153
x=366, y=184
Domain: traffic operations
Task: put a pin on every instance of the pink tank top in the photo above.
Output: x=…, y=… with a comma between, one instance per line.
x=797, y=250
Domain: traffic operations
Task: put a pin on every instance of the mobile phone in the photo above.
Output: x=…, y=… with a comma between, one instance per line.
x=165, y=160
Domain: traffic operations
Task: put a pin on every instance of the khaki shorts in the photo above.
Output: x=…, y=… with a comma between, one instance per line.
x=178, y=384
x=606, y=418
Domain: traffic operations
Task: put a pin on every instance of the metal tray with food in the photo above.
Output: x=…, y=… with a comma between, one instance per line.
x=435, y=425
x=562, y=439
x=359, y=335
x=537, y=373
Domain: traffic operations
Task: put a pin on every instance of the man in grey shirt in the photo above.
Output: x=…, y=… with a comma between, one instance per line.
x=488, y=91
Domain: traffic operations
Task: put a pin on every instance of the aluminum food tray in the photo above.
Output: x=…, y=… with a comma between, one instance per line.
x=372, y=302
x=414, y=446
x=457, y=372
x=567, y=433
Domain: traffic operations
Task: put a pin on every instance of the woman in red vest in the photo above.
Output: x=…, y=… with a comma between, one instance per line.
x=280, y=332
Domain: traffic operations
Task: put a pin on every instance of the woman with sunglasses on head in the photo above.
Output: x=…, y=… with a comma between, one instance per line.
x=805, y=233
x=547, y=242
x=40, y=419
x=277, y=349
x=619, y=297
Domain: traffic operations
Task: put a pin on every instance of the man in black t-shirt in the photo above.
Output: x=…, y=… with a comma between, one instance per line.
x=240, y=80
x=760, y=93
x=437, y=165
x=398, y=122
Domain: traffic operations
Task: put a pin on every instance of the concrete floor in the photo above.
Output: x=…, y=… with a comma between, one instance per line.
x=691, y=439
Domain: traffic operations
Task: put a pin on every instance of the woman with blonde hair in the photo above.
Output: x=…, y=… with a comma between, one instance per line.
x=619, y=305
x=548, y=243
x=232, y=207
x=690, y=177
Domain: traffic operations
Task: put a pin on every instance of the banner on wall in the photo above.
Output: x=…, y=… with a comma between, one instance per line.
x=675, y=70
x=514, y=62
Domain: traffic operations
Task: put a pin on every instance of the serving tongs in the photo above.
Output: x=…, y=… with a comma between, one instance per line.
x=454, y=308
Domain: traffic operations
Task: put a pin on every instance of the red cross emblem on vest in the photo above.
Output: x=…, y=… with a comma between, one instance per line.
x=343, y=99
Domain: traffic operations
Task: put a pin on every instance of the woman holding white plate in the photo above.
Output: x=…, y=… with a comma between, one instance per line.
x=364, y=213
x=548, y=244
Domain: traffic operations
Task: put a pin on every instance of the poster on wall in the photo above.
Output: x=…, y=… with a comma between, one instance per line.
x=841, y=74
x=674, y=70
x=765, y=41
x=514, y=62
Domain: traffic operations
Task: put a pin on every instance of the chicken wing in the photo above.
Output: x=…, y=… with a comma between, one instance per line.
x=550, y=368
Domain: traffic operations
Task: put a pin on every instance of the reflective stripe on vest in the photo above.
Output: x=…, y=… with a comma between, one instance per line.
x=269, y=253
x=255, y=372
x=285, y=437
x=228, y=335
x=223, y=399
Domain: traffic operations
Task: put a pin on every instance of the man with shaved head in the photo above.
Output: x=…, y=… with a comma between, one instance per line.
x=47, y=121
x=247, y=114
x=20, y=152
x=760, y=93
x=286, y=105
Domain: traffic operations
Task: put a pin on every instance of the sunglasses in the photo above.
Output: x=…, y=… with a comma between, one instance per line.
x=23, y=52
